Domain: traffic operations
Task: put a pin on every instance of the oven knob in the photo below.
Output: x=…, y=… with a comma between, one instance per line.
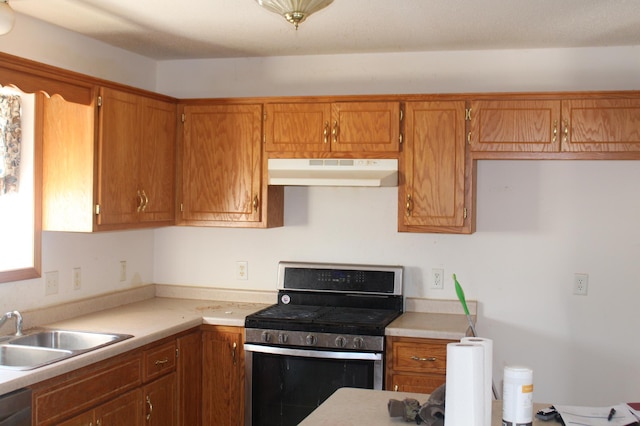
x=266, y=336
x=341, y=342
x=311, y=339
x=283, y=338
x=358, y=343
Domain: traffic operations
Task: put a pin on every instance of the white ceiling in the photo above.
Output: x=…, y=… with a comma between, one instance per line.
x=184, y=29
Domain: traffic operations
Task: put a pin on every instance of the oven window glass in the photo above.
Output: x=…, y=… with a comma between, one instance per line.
x=286, y=389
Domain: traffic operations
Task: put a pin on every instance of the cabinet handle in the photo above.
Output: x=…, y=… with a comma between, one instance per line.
x=98, y=422
x=409, y=205
x=255, y=203
x=145, y=200
x=233, y=352
x=140, y=201
x=395, y=388
x=566, y=131
x=429, y=359
x=325, y=133
x=162, y=361
x=555, y=130
x=335, y=131
x=150, y=408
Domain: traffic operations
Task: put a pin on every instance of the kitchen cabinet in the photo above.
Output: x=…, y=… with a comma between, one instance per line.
x=140, y=386
x=136, y=157
x=110, y=169
x=434, y=189
x=570, y=125
x=189, y=376
x=222, y=179
x=223, y=375
x=339, y=127
x=415, y=365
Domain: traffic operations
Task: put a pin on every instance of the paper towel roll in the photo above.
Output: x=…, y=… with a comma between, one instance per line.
x=487, y=345
x=464, y=396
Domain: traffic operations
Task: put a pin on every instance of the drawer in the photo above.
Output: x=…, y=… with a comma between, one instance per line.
x=159, y=360
x=419, y=355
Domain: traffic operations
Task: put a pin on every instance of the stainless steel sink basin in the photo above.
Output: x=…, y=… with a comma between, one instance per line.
x=68, y=340
x=28, y=357
x=47, y=346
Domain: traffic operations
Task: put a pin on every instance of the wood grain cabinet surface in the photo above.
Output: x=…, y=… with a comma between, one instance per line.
x=223, y=375
x=108, y=165
x=338, y=127
x=222, y=169
x=146, y=386
x=593, y=124
x=415, y=365
x=433, y=164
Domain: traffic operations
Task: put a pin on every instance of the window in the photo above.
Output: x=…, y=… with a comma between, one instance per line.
x=20, y=183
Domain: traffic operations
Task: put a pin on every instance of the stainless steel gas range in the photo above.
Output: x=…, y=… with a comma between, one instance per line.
x=325, y=332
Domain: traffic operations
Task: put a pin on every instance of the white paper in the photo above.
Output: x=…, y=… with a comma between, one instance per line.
x=595, y=416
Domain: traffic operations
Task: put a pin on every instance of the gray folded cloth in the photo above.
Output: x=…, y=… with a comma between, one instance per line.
x=431, y=413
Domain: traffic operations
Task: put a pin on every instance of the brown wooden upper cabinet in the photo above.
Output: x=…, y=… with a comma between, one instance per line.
x=136, y=159
x=332, y=127
x=432, y=194
x=562, y=125
x=221, y=165
x=122, y=180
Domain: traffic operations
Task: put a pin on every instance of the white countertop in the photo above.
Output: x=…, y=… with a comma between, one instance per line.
x=350, y=406
x=159, y=317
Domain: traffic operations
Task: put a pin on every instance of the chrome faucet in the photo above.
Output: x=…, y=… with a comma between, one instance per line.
x=17, y=316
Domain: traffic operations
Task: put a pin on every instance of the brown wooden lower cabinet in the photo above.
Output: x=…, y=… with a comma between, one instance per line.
x=223, y=375
x=415, y=364
x=146, y=386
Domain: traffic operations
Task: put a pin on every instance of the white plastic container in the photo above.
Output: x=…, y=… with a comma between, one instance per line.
x=517, y=397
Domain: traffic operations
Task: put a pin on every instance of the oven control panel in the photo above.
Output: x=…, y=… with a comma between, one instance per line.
x=314, y=340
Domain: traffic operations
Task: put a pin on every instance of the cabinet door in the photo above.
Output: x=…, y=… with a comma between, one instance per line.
x=601, y=125
x=365, y=126
x=223, y=376
x=189, y=371
x=297, y=127
x=124, y=410
x=515, y=125
x=157, y=161
x=119, y=157
x=433, y=192
x=222, y=163
x=160, y=402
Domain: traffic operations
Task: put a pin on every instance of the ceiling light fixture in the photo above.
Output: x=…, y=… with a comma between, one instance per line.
x=7, y=18
x=294, y=11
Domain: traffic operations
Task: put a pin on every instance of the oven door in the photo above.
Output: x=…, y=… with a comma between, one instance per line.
x=284, y=385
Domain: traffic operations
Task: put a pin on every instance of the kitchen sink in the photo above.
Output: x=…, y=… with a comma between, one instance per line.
x=47, y=346
x=28, y=357
x=68, y=340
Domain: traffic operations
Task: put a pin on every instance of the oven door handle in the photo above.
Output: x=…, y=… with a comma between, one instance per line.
x=310, y=353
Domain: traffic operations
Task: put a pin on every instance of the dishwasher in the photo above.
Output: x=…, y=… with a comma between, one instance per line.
x=15, y=408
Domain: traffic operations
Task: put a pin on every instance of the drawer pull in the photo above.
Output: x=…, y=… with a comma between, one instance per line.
x=429, y=359
x=162, y=361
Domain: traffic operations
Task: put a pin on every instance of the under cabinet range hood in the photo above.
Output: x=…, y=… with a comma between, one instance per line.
x=333, y=172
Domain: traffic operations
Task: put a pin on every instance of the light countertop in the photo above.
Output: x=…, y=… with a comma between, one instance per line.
x=350, y=406
x=155, y=318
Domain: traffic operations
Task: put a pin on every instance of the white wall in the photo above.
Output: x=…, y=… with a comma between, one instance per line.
x=539, y=222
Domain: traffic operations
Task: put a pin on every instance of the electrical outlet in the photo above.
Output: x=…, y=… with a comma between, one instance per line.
x=123, y=270
x=580, y=284
x=77, y=279
x=242, y=270
x=437, y=278
x=51, y=283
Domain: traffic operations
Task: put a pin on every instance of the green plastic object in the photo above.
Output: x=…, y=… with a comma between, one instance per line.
x=460, y=294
